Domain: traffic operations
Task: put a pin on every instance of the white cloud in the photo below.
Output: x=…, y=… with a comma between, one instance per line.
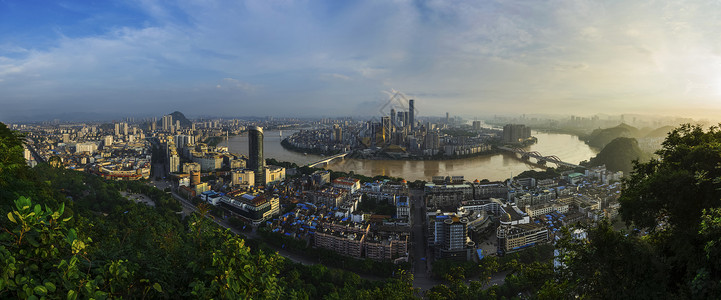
x=533, y=55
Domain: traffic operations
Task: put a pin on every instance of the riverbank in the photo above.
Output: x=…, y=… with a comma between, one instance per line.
x=286, y=145
x=386, y=156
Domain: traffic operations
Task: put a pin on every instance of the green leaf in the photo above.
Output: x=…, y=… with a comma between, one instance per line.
x=40, y=290
x=72, y=295
x=10, y=216
x=71, y=236
x=37, y=209
x=50, y=286
x=157, y=287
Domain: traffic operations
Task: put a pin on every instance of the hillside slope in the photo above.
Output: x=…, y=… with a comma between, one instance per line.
x=619, y=154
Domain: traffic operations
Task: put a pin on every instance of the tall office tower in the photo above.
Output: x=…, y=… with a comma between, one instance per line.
x=412, y=114
x=386, y=123
x=125, y=129
x=167, y=122
x=448, y=118
x=406, y=120
x=476, y=125
x=256, y=162
x=338, y=132
x=393, y=119
x=400, y=119
x=117, y=129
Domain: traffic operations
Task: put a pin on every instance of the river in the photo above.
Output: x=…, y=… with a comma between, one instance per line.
x=493, y=167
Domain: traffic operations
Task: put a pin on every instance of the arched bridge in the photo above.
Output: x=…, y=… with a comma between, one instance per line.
x=526, y=155
x=327, y=160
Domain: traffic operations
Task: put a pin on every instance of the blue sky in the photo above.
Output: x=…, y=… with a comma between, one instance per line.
x=324, y=58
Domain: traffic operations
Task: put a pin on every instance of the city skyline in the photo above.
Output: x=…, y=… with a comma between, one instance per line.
x=312, y=59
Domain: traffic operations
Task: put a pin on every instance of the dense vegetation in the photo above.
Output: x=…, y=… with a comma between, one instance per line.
x=599, y=138
x=549, y=173
x=619, y=154
x=674, y=203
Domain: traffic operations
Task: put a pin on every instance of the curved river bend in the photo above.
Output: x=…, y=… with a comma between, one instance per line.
x=493, y=167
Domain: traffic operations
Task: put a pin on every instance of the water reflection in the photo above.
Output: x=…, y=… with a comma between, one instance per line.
x=493, y=167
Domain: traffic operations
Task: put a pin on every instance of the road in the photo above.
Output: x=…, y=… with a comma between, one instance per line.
x=421, y=261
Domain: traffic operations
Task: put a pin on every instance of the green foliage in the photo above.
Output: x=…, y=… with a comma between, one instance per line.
x=609, y=264
x=674, y=201
x=40, y=256
x=549, y=173
x=619, y=155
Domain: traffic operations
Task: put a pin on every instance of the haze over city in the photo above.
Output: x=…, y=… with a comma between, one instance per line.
x=315, y=58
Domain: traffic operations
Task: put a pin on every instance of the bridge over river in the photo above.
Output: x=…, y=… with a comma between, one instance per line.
x=525, y=155
x=327, y=160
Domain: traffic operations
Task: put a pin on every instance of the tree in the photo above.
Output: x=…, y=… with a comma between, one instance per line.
x=672, y=202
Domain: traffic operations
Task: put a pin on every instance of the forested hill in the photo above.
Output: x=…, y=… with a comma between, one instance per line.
x=177, y=116
x=599, y=138
x=619, y=154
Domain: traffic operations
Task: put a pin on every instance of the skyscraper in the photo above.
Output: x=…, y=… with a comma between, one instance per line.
x=167, y=122
x=393, y=119
x=386, y=123
x=412, y=114
x=256, y=162
x=337, y=133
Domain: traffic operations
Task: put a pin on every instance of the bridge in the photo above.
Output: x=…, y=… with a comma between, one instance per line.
x=328, y=159
x=540, y=159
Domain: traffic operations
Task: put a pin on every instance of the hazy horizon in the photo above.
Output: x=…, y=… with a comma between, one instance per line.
x=329, y=58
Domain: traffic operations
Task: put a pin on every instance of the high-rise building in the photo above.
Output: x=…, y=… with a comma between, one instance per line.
x=401, y=120
x=476, y=125
x=451, y=233
x=125, y=129
x=516, y=133
x=338, y=133
x=386, y=123
x=412, y=114
x=256, y=162
x=107, y=141
x=167, y=122
x=117, y=129
x=406, y=120
x=393, y=120
x=448, y=118
x=174, y=162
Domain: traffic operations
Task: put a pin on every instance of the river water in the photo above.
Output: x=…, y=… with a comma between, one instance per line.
x=493, y=167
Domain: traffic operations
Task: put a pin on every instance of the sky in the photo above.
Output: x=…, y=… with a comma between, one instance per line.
x=329, y=58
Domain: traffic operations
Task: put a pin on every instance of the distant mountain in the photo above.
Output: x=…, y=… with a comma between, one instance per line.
x=660, y=132
x=599, y=138
x=619, y=154
x=177, y=116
